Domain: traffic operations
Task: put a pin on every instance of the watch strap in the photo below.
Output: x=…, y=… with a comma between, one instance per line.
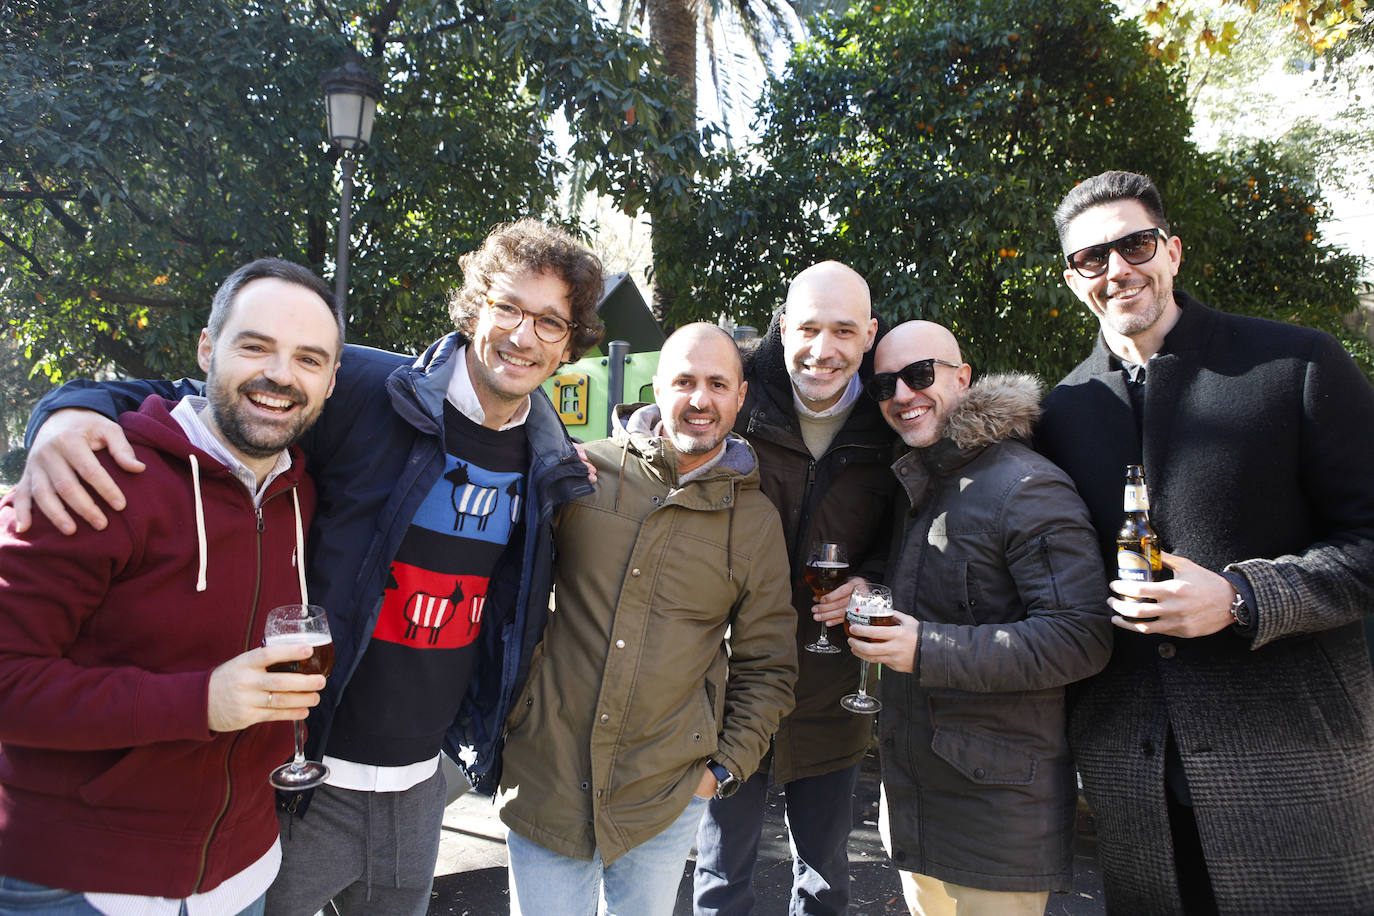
x=726, y=782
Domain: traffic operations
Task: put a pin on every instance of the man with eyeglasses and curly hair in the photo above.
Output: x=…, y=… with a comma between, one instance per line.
x=431, y=550
x=1226, y=748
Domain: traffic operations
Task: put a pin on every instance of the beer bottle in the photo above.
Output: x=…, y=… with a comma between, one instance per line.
x=1137, y=545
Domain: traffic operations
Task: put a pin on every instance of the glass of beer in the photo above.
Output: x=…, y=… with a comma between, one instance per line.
x=826, y=567
x=870, y=607
x=303, y=624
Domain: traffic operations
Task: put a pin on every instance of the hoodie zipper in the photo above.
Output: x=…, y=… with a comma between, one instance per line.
x=233, y=742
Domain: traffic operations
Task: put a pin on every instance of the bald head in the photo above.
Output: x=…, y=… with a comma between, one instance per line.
x=831, y=280
x=827, y=327
x=913, y=340
x=920, y=414
x=707, y=341
x=699, y=389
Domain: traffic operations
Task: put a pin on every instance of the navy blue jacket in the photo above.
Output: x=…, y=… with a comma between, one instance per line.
x=375, y=452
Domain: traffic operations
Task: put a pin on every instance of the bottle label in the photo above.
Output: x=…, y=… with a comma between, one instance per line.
x=1137, y=499
x=1132, y=566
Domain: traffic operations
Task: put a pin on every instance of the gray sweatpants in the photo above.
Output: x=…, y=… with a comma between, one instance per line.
x=372, y=853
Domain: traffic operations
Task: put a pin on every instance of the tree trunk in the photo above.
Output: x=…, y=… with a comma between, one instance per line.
x=673, y=27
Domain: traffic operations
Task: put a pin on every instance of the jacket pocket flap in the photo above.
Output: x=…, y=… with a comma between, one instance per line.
x=983, y=759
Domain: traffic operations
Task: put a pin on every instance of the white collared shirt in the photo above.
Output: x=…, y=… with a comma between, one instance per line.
x=187, y=414
x=231, y=897
x=462, y=395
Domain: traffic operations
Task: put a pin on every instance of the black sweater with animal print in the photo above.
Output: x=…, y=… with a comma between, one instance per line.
x=411, y=680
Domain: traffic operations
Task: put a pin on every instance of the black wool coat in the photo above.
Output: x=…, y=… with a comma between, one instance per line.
x=1257, y=440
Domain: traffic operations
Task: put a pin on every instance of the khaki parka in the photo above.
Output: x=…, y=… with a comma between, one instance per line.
x=633, y=687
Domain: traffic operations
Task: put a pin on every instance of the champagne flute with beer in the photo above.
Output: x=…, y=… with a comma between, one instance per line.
x=827, y=566
x=301, y=624
x=869, y=606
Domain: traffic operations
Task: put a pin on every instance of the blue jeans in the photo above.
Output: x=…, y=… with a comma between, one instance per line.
x=24, y=898
x=643, y=882
x=819, y=817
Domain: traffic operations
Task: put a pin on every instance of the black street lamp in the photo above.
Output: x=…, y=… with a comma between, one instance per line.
x=351, y=95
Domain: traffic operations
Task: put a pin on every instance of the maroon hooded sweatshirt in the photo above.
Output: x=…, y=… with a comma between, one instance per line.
x=110, y=778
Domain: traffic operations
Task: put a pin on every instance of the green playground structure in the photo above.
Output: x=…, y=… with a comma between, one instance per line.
x=620, y=369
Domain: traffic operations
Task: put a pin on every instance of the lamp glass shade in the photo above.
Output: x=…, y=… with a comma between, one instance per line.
x=350, y=118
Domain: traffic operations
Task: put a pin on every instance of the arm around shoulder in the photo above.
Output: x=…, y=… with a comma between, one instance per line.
x=109, y=399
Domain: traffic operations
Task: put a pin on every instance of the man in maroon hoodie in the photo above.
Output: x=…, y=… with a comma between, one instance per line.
x=138, y=720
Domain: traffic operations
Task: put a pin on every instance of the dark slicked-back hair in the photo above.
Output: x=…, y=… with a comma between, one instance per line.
x=274, y=268
x=529, y=245
x=1107, y=188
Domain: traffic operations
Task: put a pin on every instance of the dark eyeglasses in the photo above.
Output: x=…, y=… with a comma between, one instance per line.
x=920, y=374
x=508, y=317
x=1136, y=248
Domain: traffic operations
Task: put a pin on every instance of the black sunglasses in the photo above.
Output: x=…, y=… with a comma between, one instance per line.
x=1136, y=248
x=920, y=374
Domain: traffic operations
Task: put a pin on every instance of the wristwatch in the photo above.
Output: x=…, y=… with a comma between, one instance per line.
x=727, y=783
x=1240, y=611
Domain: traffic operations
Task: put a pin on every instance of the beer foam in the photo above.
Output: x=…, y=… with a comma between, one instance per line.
x=300, y=639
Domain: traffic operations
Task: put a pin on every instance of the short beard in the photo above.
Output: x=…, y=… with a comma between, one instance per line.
x=686, y=445
x=1134, y=323
x=240, y=433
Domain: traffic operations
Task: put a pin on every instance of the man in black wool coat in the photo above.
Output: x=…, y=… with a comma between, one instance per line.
x=1227, y=750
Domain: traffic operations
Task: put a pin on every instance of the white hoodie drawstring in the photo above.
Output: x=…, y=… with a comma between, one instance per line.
x=200, y=525
x=300, y=547
x=299, y=559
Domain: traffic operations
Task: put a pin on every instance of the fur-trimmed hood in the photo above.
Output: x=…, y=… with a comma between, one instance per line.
x=997, y=407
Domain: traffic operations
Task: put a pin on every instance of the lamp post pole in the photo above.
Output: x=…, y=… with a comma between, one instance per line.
x=351, y=96
x=345, y=209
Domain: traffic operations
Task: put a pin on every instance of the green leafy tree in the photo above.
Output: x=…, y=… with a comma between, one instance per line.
x=1183, y=29
x=926, y=144
x=677, y=28
x=1293, y=73
x=1252, y=244
x=19, y=391
x=150, y=146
